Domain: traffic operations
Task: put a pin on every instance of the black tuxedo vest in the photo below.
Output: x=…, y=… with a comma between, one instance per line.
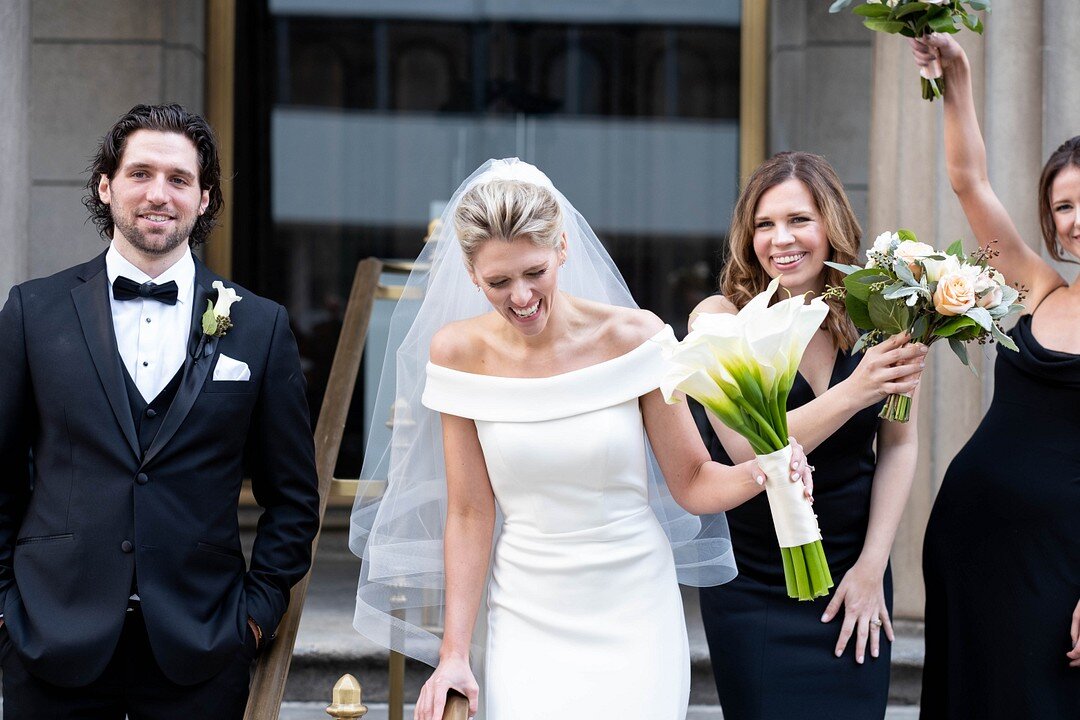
x=148, y=416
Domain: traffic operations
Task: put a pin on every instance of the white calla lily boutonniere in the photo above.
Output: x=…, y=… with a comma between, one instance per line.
x=217, y=319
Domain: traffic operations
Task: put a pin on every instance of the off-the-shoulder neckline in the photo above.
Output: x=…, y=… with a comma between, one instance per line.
x=664, y=330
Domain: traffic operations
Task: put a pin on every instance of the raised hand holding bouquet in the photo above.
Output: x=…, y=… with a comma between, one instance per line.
x=908, y=286
x=914, y=19
x=741, y=368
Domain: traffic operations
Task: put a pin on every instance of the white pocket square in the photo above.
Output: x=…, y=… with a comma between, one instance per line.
x=229, y=369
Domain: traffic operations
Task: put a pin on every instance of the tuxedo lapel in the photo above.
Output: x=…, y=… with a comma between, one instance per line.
x=197, y=362
x=95, y=315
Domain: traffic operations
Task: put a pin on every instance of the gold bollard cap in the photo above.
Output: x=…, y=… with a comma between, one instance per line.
x=347, y=699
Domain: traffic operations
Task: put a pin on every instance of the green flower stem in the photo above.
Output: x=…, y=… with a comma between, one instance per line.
x=769, y=434
x=806, y=571
x=897, y=408
x=802, y=580
x=789, y=572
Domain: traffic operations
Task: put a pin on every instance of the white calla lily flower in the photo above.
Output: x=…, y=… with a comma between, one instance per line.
x=225, y=299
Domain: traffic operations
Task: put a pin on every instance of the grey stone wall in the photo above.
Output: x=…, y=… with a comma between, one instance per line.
x=819, y=90
x=91, y=61
x=14, y=132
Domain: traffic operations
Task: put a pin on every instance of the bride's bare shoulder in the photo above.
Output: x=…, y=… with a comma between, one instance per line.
x=456, y=345
x=624, y=329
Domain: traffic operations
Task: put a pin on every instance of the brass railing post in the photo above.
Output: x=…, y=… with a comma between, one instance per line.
x=348, y=699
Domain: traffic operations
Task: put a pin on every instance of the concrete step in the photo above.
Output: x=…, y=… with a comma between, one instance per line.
x=328, y=647
x=378, y=711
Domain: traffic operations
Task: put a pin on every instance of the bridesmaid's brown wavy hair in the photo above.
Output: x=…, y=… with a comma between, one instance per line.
x=1068, y=155
x=743, y=277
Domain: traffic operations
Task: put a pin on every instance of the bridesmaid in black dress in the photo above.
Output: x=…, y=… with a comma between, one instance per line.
x=776, y=658
x=1001, y=558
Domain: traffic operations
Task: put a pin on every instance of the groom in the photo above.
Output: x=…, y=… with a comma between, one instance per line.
x=127, y=423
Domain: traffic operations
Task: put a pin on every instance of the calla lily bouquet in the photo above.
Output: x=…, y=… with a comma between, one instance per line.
x=913, y=19
x=908, y=286
x=741, y=368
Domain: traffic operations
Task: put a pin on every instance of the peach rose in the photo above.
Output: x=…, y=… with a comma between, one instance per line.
x=991, y=298
x=912, y=252
x=955, y=294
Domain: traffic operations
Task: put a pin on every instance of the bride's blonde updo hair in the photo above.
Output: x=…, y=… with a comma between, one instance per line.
x=508, y=210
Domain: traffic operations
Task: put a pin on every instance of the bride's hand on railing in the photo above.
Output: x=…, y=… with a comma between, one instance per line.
x=452, y=673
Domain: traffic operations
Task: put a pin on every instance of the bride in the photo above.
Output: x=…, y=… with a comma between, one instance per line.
x=545, y=378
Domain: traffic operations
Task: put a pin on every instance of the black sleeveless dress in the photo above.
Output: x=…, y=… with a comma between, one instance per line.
x=1001, y=558
x=771, y=655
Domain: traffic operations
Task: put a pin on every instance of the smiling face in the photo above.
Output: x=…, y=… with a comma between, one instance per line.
x=1065, y=209
x=790, y=237
x=154, y=196
x=520, y=280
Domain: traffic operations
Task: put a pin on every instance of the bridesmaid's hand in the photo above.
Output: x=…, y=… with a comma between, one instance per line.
x=862, y=593
x=801, y=471
x=889, y=368
x=939, y=47
x=453, y=672
x=1074, y=631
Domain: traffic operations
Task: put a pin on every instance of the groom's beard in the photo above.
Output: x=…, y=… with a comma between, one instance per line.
x=150, y=243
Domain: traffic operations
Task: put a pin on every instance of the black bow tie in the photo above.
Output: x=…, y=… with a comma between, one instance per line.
x=127, y=289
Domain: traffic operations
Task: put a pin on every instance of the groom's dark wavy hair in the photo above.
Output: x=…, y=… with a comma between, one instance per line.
x=162, y=118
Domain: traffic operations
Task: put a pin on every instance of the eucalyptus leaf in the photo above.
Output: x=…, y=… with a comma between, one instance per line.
x=918, y=330
x=944, y=23
x=846, y=269
x=953, y=326
x=872, y=11
x=905, y=234
x=886, y=26
x=956, y=250
x=209, y=320
x=896, y=292
x=979, y=4
x=889, y=315
x=858, y=312
x=858, y=283
x=839, y=5
x=860, y=344
x=904, y=273
x=960, y=350
x=1003, y=339
x=908, y=9
x=981, y=316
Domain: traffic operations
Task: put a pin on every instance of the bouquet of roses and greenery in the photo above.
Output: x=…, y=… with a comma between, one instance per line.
x=741, y=368
x=915, y=18
x=908, y=286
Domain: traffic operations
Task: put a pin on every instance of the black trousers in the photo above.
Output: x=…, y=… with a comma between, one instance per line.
x=132, y=685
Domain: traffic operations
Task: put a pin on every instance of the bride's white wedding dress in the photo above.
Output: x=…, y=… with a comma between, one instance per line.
x=585, y=618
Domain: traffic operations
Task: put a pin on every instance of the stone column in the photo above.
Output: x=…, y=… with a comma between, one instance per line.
x=90, y=63
x=14, y=142
x=819, y=89
x=1028, y=103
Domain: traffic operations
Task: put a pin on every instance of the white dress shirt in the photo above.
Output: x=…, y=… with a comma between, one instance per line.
x=152, y=337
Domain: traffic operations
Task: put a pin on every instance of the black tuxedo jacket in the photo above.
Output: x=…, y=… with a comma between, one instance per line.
x=83, y=511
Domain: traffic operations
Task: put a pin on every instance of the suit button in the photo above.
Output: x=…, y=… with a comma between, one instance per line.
x=126, y=546
x=151, y=413
x=142, y=478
